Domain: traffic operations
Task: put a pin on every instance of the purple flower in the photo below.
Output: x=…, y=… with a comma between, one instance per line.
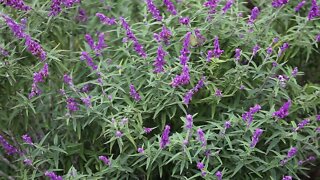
x=227, y=6
x=4, y=52
x=292, y=152
x=184, y=20
x=27, y=139
x=88, y=58
x=287, y=178
x=16, y=4
x=269, y=50
x=27, y=162
x=89, y=40
x=38, y=77
x=159, y=62
x=188, y=96
x=55, y=7
x=318, y=38
x=35, y=48
x=67, y=79
x=279, y=3
x=201, y=137
x=248, y=116
x=106, y=20
x=140, y=150
x=100, y=44
x=105, y=160
x=185, y=50
x=237, y=54
x=219, y=175
x=147, y=130
x=164, y=35
x=216, y=52
x=200, y=38
x=283, y=80
x=200, y=165
x=283, y=48
x=153, y=10
x=212, y=5
x=318, y=117
x=299, y=6
x=52, y=175
x=218, y=93
x=85, y=88
x=165, y=137
x=275, y=40
x=137, y=46
x=314, y=10
x=283, y=110
x=294, y=72
x=7, y=147
x=255, y=49
x=189, y=121
x=118, y=134
x=86, y=101
x=302, y=124
x=72, y=105
x=255, y=137
x=82, y=15
x=183, y=78
x=170, y=7
x=70, y=3
x=134, y=94
x=227, y=124
x=254, y=14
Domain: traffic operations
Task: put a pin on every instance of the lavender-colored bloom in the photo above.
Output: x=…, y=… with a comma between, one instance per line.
x=159, y=62
x=86, y=101
x=188, y=96
x=255, y=49
x=254, y=14
x=318, y=117
x=4, y=52
x=212, y=5
x=283, y=80
x=55, y=7
x=299, y=6
x=38, y=77
x=287, y=178
x=302, y=124
x=314, y=10
x=134, y=94
x=27, y=139
x=82, y=15
x=237, y=54
x=70, y=3
x=275, y=40
x=269, y=50
x=292, y=152
x=16, y=4
x=27, y=162
x=137, y=46
x=52, y=175
x=88, y=58
x=219, y=175
x=201, y=137
x=17, y=29
x=279, y=3
x=35, y=48
x=7, y=147
x=105, y=160
x=200, y=38
x=72, y=105
x=274, y=64
x=100, y=44
x=318, y=38
x=227, y=124
x=153, y=10
x=164, y=35
x=248, y=116
x=184, y=20
x=67, y=79
x=170, y=7
x=294, y=72
x=283, y=111
x=189, y=121
x=216, y=52
x=89, y=40
x=283, y=48
x=140, y=150
x=106, y=20
x=147, y=130
x=185, y=50
x=255, y=137
x=218, y=93
x=199, y=85
x=85, y=88
x=227, y=6
x=165, y=137
x=118, y=134
x=183, y=78
x=200, y=165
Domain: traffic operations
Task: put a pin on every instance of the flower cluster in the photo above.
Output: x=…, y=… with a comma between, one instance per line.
x=105, y=160
x=237, y=54
x=183, y=78
x=82, y=15
x=27, y=139
x=189, y=121
x=200, y=166
x=4, y=52
x=164, y=141
x=283, y=80
x=56, y=6
x=314, y=10
x=212, y=5
x=106, y=20
x=72, y=105
x=310, y=158
x=134, y=94
x=227, y=6
x=37, y=78
x=219, y=175
x=283, y=110
x=302, y=124
x=7, y=147
x=188, y=96
x=52, y=175
x=248, y=116
x=170, y=7
x=153, y=10
x=287, y=178
x=255, y=138
x=98, y=46
x=299, y=6
x=292, y=152
x=279, y=3
x=184, y=20
x=201, y=137
x=163, y=36
x=254, y=14
x=216, y=52
x=283, y=48
x=185, y=50
x=16, y=4
x=159, y=62
x=88, y=58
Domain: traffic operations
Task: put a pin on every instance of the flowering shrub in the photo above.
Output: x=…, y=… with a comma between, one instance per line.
x=135, y=89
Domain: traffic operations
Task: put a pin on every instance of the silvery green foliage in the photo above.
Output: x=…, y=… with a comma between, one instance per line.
x=103, y=111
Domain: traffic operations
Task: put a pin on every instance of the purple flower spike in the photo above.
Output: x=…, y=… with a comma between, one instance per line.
x=283, y=111
x=255, y=49
x=16, y=4
x=185, y=50
x=55, y=7
x=27, y=162
x=184, y=20
x=269, y=50
x=227, y=6
x=165, y=137
x=67, y=79
x=254, y=14
x=201, y=137
x=106, y=20
x=153, y=10
x=200, y=165
x=302, y=124
x=212, y=5
x=237, y=54
x=318, y=38
x=147, y=130
x=52, y=175
x=88, y=58
x=227, y=124
x=27, y=139
x=82, y=15
x=218, y=93
x=140, y=150
x=170, y=6
x=7, y=147
x=255, y=137
x=188, y=96
x=287, y=178
x=105, y=160
x=72, y=105
x=318, y=117
x=314, y=10
x=219, y=175
x=134, y=94
x=279, y=3
x=183, y=78
x=216, y=52
x=248, y=116
x=292, y=152
x=299, y=6
x=283, y=48
x=163, y=36
x=119, y=134
x=86, y=101
x=294, y=72
x=189, y=121
x=159, y=62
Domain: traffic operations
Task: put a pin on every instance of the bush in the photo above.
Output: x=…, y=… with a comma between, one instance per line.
x=145, y=90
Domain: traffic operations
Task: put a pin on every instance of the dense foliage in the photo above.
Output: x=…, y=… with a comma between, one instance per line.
x=134, y=89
